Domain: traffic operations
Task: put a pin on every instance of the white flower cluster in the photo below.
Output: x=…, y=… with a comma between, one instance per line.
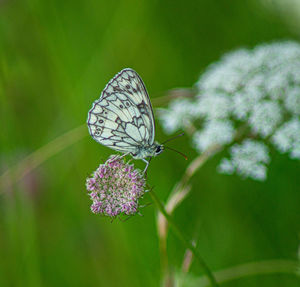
x=214, y=132
x=176, y=116
x=247, y=159
x=255, y=90
x=287, y=138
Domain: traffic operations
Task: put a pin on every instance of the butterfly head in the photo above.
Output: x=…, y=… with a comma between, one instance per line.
x=159, y=148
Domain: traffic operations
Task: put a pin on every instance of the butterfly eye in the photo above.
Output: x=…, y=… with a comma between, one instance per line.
x=158, y=149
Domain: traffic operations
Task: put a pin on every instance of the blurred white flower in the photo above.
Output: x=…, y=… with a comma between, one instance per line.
x=275, y=85
x=243, y=104
x=226, y=166
x=247, y=159
x=178, y=115
x=256, y=91
x=287, y=138
x=265, y=116
x=292, y=100
x=228, y=76
x=214, y=132
x=214, y=106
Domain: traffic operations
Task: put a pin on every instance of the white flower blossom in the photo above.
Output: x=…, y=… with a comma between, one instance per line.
x=243, y=103
x=287, y=138
x=247, y=93
x=214, y=132
x=228, y=76
x=214, y=106
x=177, y=116
x=295, y=153
x=275, y=85
x=247, y=159
x=265, y=116
x=226, y=166
x=292, y=100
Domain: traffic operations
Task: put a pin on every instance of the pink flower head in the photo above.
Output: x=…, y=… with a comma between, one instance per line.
x=115, y=188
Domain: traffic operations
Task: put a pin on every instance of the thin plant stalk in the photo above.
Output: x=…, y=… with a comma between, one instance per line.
x=265, y=267
x=179, y=193
x=33, y=160
x=183, y=239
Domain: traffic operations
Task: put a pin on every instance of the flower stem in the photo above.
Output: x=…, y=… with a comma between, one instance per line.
x=182, y=237
x=180, y=191
x=254, y=268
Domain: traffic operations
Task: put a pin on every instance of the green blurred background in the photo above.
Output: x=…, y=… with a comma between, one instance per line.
x=55, y=58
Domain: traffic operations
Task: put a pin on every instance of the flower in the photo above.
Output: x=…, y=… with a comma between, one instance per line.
x=214, y=132
x=287, y=138
x=265, y=116
x=180, y=112
x=214, y=106
x=115, y=188
x=248, y=94
x=248, y=159
x=292, y=101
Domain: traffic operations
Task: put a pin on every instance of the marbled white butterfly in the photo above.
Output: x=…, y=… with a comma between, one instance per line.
x=122, y=118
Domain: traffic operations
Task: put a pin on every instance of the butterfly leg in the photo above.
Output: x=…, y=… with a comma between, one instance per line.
x=147, y=164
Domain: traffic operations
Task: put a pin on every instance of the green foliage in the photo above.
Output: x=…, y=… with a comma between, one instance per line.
x=55, y=58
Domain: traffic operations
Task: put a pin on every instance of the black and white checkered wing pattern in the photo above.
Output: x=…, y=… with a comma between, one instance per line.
x=122, y=118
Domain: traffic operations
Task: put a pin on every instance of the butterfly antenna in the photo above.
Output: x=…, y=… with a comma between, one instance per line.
x=176, y=151
x=173, y=138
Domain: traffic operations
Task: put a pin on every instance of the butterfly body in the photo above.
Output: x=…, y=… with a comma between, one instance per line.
x=122, y=118
x=148, y=151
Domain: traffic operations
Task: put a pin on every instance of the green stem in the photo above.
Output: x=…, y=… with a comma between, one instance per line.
x=182, y=237
x=254, y=268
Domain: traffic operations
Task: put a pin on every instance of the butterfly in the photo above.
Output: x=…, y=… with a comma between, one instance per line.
x=122, y=118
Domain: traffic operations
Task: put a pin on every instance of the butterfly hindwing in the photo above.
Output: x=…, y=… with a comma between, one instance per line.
x=107, y=128
x=129, y=88
x=122, y=118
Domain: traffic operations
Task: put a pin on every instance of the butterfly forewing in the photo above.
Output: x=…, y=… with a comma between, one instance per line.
x=122, y=118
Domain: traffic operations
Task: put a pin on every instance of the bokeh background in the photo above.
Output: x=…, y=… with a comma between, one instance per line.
x=55, y=58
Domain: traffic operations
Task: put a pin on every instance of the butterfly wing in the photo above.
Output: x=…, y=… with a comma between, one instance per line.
x=122, y=118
